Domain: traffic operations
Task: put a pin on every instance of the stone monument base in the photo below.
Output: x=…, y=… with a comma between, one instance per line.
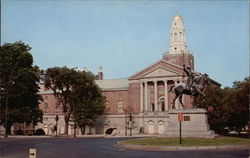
x=194, y=124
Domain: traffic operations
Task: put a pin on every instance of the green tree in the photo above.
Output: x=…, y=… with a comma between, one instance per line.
x=238, y=104
x=61, y=81
x=80, y=96
x=87, y=100
x=230, y=106
x=213, y=99
x=18, y=85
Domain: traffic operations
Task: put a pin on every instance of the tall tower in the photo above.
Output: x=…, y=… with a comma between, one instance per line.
x=177, y=43
x=100, y=73
x=178, y=53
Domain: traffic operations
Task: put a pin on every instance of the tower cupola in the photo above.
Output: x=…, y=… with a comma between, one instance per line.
x=177, y=43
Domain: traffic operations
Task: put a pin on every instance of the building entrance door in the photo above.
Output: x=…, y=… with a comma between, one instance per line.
x=151, y=129
x=161, y=129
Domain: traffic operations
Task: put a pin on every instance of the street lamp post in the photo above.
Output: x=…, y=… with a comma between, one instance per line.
x=130, y=124
x=57, y=118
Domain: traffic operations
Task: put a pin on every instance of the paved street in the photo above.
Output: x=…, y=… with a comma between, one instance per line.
x=97, y=148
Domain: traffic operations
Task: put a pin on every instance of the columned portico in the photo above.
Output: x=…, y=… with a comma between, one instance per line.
x=155, y=96
x=146, y=96
x=141, y=97
x=166, y=94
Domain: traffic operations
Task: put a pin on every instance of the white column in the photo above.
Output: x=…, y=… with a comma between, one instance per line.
x=141, y=97
x=155, y=95
x=146, y=96
x=166, y=95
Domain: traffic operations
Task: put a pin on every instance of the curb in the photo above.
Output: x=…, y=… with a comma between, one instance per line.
x=24, y=136
x=175, y=148
x=51, y=136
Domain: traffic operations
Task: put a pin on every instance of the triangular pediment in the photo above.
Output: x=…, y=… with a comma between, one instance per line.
x=160, y=68
x=159, y=72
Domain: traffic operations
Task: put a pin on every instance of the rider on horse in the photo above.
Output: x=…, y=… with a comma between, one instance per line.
x=190, y=75
x=195, y=85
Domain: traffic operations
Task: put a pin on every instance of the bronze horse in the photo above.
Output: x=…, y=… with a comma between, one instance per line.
x=197, y=87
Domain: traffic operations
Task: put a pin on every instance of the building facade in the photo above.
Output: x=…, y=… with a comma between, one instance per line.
x=139, y=103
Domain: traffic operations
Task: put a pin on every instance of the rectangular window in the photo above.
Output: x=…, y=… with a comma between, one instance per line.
x=186, y=118
x=46, y=109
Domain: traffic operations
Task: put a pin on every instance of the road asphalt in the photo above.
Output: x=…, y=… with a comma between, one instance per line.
x=99, y=147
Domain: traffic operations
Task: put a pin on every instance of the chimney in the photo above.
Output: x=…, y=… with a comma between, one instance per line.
x=100, y=73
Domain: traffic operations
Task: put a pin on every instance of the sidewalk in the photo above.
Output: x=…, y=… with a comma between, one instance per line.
x=25, y=136
x=71, y=136
x=133, y=136
x=175, y=148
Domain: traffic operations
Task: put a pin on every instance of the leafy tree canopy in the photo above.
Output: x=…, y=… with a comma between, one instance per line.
x=87, y=100
x=77, y=92
x=18, y=84
x=230, y=106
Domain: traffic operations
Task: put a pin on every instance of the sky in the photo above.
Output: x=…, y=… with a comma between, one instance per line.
x=126, y=36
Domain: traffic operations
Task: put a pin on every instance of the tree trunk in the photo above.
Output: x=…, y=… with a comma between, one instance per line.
x=90, y=130
x=83, y=130
x=9, y=128
x=66, y=119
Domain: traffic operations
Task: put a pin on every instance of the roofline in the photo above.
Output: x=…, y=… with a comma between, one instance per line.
x=154, y=64
x=144, y=68
x=114, y=89
x=217, y=83
x=113, y=79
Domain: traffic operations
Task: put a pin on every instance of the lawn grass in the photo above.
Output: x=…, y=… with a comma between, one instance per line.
x=157, y=141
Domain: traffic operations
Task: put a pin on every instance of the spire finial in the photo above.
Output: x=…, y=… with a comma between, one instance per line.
x=100, y=69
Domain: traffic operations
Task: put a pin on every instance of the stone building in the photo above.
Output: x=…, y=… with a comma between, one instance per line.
x=139, y=103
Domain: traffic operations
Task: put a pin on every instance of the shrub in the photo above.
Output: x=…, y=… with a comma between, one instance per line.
x=19, y=132
x=109, y=131
x=39, y=132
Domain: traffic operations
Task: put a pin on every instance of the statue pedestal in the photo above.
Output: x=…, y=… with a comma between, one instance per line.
x=194, y=124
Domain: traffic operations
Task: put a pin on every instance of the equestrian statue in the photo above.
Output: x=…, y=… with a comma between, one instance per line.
x=195, y=85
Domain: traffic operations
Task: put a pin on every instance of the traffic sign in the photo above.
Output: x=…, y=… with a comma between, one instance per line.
x=32, y=153
x=180, y=117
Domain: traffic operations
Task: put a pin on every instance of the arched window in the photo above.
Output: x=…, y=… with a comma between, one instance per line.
x=153, y=107
x=120, y=107
x=175, y=36
x=107, y=106
x=163, y=106
x=161, y=127
x=151, y=128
